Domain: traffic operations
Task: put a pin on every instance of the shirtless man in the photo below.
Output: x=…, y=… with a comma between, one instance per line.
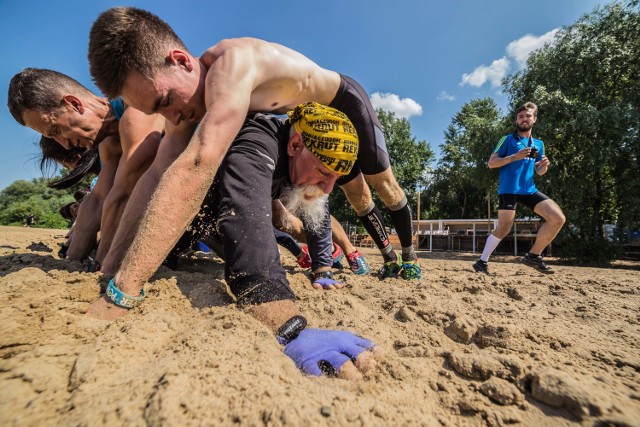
x=239, y=76
x=135, y=54
x=59, y=107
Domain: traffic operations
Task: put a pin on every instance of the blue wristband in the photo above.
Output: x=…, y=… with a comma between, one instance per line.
x=121, y=299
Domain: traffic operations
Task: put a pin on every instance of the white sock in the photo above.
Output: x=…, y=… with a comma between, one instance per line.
x=489, y=247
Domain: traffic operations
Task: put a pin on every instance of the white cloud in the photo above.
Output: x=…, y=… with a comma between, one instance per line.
x=405, y=107
x=494, y=74
x=518, y=50
x=444, y=96
x=521, y=49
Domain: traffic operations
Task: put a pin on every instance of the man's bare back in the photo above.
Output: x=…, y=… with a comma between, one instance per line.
x=281, y=78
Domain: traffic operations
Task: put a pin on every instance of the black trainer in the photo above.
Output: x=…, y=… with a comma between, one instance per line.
x=481, y=266
x=536, y=262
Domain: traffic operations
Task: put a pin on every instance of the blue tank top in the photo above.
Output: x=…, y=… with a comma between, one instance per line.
x=118, y=110
x=118, y=107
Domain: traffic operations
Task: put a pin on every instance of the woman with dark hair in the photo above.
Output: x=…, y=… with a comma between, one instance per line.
x=80, y=162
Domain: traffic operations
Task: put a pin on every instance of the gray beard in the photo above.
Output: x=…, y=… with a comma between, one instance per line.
x=311, y=212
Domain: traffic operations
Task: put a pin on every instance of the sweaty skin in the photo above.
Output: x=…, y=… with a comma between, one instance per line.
x=218, y=90
x=232, y=78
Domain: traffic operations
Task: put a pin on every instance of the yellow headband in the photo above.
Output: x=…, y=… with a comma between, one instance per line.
x=328, y=134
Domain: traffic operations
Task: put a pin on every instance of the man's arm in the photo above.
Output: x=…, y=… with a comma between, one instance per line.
x=182, y=188
x=139, y=137
x=495, y=161
x=170, y=148
x=88, y=221
x=542, y=166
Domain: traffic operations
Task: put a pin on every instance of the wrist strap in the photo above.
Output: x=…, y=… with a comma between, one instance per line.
x=322, y=275
x=121, y=299
x=291, y=329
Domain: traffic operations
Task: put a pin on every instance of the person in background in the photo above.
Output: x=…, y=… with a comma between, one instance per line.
x=519, y=157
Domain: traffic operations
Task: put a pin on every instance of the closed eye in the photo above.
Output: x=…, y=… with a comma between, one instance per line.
x=323, y=172
x=166, y=101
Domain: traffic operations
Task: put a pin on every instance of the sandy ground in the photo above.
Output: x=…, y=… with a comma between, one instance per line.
x=517, y=347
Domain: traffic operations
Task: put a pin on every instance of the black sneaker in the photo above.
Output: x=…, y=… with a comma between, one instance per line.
x=536, y=262
x=481, y=266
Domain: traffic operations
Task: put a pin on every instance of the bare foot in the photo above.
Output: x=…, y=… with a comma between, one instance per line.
x=104, y=309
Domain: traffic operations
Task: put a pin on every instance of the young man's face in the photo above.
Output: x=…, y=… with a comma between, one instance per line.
x=175, y=93
x=69, y=126
x=525, y=120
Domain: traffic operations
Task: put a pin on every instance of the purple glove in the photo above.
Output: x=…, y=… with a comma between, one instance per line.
x=324, y=279
x=318, y=351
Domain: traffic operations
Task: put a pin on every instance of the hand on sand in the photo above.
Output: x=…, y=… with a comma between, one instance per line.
x=327, y=284
x=324, y=280
x=321, y=351
x=104, y=309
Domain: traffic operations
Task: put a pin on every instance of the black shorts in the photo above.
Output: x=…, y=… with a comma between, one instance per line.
x=373, y=156
x=510, y=201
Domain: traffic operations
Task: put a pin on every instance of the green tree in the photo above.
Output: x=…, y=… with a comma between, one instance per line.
x=22, y=198
x=462, y=181
x=587, y=87
x=409, y=157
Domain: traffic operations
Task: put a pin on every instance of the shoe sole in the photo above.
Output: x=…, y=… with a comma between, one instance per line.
x=537, y=268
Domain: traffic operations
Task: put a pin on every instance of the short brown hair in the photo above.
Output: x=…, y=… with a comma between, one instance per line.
x=528, y=106
x=40, y=90
x=125, y=39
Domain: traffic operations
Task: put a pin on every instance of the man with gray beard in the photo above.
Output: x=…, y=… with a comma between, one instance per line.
x=269, y=158
x=311, y=212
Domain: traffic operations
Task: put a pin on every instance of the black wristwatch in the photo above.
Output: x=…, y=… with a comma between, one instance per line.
x=291, y=329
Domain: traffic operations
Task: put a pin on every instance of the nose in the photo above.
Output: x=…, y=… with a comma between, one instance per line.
x=327, y=184
x=173, y=117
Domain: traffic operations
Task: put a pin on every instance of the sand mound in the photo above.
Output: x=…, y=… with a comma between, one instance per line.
x=517, y=347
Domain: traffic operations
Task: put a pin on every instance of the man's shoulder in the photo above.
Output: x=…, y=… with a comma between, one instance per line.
x=505, y=139
x=225, y=45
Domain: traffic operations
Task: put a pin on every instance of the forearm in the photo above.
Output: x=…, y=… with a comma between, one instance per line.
x=274, y=314
x=86, y=229
x=542, y=170
x=129, y=222
x=111, y=214
x=173, y=205
x=498, y=162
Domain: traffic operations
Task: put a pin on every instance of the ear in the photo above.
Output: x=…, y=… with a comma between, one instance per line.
x=295, y=143
x=73, y=102
x=180, y=57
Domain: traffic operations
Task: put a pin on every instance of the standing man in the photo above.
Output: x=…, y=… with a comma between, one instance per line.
x=135, y=54
x=518, y=155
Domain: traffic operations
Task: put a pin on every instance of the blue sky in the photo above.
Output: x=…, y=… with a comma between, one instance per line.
x=422, y=59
